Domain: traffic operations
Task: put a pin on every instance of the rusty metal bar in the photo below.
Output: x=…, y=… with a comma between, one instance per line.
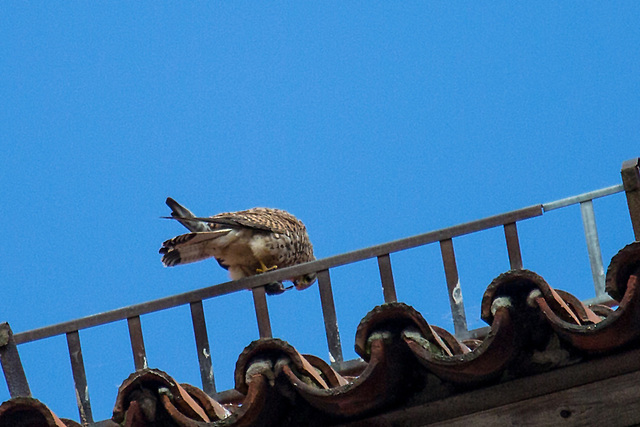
x=513, y=246
x=137, y=343
x=631, y=181
x=277, y=275
x=79, y=377
x=593, y=245
x=137, y=309
x=262, y=312
x=330, y=317
x=455, y=291
x=11, y=364
x=386, y=277
x=202, y=346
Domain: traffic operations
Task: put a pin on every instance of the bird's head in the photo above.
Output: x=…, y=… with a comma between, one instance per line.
x=303, y=282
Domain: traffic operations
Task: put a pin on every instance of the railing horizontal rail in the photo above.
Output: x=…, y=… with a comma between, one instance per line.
x=276, y=275
x=583, y=197
x=423, y=239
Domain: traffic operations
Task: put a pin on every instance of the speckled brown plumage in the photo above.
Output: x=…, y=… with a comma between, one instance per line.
x=244, y=242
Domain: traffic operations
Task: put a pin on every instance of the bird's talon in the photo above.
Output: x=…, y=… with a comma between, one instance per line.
x=263, y=268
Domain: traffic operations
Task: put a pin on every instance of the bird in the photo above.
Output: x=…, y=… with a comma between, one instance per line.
x=245, y=243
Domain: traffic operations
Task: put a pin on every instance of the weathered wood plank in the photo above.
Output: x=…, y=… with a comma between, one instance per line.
x=620, y=372
x=611, y=402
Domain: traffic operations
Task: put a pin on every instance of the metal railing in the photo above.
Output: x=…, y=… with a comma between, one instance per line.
x=590, y=232
x=17, y=382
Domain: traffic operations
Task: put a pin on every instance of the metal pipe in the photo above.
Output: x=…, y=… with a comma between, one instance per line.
x=582, y=197
x=593, y=245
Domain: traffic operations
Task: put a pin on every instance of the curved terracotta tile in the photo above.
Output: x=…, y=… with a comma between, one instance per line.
x=584, y=313
x=391, y=371
x=486, y=362
x=255, y=407
x=518, y=285
x=213, y=409
x=601, y=310
x=620, y=328
x=384, y=380
x=622, y=265
x=456, y=346
x=397, y=316
x=269, y=351
x=30, y=411
x=176, y=414
x=334, y=379
x=147, y=386
x=136, y=416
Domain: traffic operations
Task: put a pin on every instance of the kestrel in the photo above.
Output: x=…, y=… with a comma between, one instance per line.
x=245, y=243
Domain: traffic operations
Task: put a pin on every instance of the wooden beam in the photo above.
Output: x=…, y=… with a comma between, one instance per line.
x=616, y=376
x=631, y=180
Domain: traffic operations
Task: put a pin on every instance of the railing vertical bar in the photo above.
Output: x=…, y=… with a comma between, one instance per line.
x=593, y=245
x=203, y=349
x=137, y=342
x=631, y=181
x=11, y=365
x=330, y=317
x=386, y=277
x=79, y=377
x=513, y=246
x=262, y=312
x=455, y=291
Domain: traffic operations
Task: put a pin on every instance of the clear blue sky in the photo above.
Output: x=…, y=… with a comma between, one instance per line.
x=369, y=121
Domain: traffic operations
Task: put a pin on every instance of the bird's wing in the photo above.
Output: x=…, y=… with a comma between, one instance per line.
x=181, y=214
x=262, y=219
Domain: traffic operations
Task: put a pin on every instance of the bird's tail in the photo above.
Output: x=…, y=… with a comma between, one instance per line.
x=178, y=211
x=190, y=247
